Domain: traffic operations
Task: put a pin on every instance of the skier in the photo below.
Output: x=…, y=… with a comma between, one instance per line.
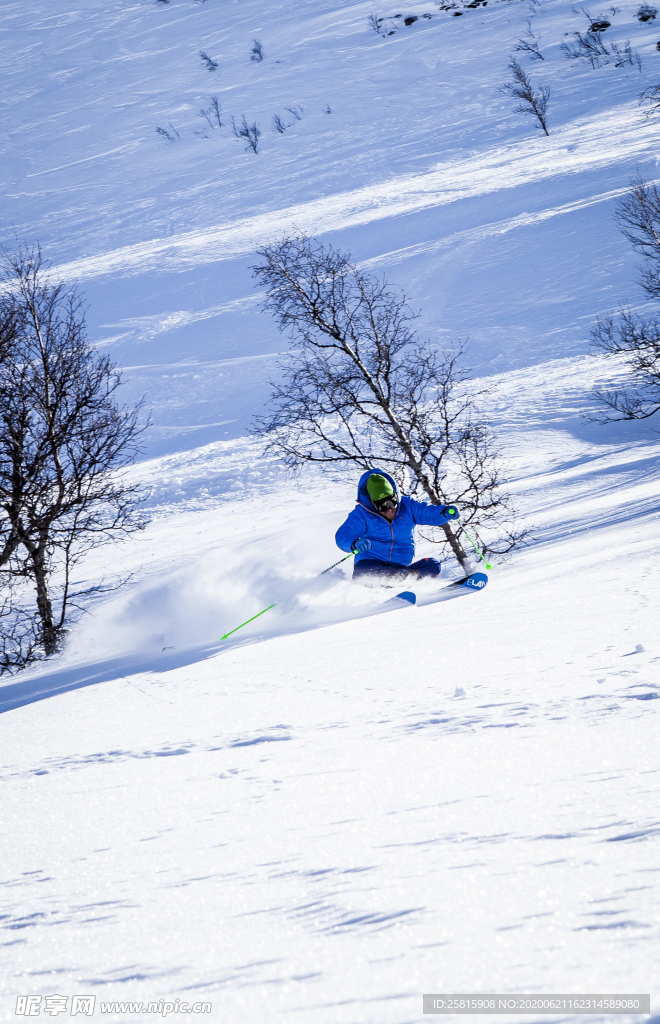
x=379, y=530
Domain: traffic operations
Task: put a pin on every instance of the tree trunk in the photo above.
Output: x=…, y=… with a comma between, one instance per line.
x=456, y=547
x=44, y=607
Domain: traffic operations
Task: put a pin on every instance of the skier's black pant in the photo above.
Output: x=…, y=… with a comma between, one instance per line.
x=386, y=571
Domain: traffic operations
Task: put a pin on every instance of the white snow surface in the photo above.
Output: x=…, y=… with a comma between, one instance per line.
x=340, y=807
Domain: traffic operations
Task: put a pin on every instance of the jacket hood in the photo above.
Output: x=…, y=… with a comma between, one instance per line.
x=362, y=492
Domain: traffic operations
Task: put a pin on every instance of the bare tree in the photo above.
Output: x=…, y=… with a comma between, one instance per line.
x=532, y=101
x=359, y=388
x=250, y=133
x=279, y=125
x=636, y=337
x=64, y=441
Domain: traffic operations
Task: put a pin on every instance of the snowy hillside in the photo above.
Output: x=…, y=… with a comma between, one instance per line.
x=341, y=807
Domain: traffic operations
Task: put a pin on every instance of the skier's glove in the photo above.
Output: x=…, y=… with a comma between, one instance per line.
x=452, y=511
x=361, y=545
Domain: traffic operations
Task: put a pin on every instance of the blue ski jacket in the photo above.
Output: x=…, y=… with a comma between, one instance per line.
x=390, y=542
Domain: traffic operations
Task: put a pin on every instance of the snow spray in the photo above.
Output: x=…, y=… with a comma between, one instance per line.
x=268, y=608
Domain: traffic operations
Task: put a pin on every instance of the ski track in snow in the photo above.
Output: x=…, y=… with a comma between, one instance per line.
x=579, y=148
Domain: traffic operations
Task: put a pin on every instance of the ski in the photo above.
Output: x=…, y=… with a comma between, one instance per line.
x=405, y=598
x=473, y=581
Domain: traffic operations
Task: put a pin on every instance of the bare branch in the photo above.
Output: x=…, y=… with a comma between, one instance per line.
x=639, y=341
x=638, y=215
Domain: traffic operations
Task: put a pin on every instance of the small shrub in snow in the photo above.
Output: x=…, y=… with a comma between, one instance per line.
x=532, y=100
x=600, y=26
x=651, y=98
x=208, y=62
x=375, y=23
x=623, y=56
x=257, y=52
x=213, y=113
x=589, y=46
x=250, y=134
x=170, y=133
x=646, y=13
x=529, y=44
x=280, y=125
x=531, y=47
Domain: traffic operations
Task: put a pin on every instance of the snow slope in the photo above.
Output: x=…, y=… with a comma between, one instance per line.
x=337, y=809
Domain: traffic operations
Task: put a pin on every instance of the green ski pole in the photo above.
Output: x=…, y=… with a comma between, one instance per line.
x=236, y=628
x=335, y=564
x=472, y=542
x=268, y=608
x=477, y=550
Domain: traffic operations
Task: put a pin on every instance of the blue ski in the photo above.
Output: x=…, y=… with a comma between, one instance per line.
x=475, y=581
x=406, y=599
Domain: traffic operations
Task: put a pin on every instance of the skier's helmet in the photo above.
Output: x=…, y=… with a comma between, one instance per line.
x=381, y=492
